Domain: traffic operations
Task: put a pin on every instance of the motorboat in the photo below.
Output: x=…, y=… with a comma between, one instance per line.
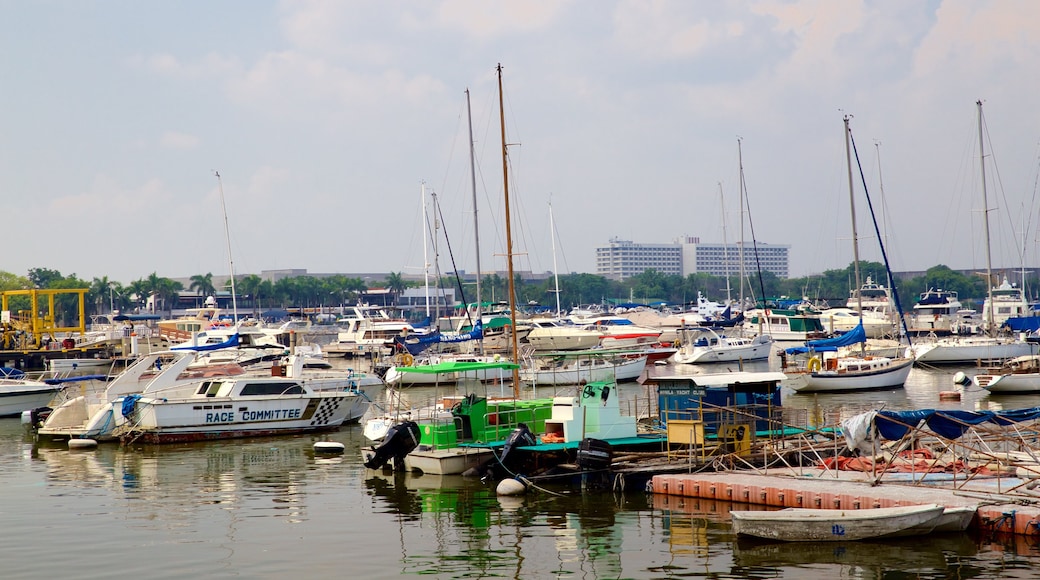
x=571, y=368
x=970, y=349
x=839, y=320
x=784, y=324
x=705, y=345
x=620, y=332
x=365, y=330
x=88, y=415
x=1005, y=301
x=1018, y=375
x=19, y=393
x=548, y=334
x=837, y=525
x=287, y=401
x=936, y=312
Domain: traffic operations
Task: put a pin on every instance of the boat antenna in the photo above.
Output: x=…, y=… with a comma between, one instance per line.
x=509, y=236
x=227, y=238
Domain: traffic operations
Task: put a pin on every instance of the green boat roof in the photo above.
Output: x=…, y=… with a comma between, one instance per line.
x=458, y=367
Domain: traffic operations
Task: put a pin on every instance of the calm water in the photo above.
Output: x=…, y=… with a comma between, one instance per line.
x=270, y=508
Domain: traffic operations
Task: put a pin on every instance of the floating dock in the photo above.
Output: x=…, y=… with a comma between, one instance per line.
x=850, y=490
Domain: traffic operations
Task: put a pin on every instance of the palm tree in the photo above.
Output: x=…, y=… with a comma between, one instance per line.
x=396, y=284
x=100, y=288
x=202, y=284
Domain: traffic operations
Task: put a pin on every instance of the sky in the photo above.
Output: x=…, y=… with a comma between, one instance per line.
x=327, y=121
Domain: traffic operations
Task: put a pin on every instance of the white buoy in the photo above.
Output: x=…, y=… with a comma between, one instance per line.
x=328, y=447
x=961, y=379
x=511, y=487
x=82, y=443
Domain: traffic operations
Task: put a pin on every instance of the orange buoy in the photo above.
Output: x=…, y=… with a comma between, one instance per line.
x=949, y=396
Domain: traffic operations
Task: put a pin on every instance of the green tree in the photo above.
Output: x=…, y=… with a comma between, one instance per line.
x=202, y=284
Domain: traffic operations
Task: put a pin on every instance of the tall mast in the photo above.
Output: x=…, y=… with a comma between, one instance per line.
x=725, y=245
x=227, y=238
x=740, y=164
x=426, y=258
x=985, y=227
x=852, y=208
x=556, y=272
x=855, y=235
x=509, y=235
x=476, y=230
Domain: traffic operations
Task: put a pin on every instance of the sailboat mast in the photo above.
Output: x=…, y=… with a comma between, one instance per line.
x=725, y=245
x=227, y=238
x=985, y=226
x=426, y=258
x=740, y=164
x=852, y=208
x=476, y=222
x=556, y=272
x=509, y=235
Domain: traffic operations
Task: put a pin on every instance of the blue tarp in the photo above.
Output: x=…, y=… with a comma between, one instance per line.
x=416, y=344
x=854, y=336
x=129, y=402
x=1023, y=323
x=951, y=424
x=230, y=342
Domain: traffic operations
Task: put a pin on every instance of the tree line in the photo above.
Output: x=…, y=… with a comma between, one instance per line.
x=650, y=287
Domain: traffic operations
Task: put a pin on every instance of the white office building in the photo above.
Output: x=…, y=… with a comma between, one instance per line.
x=623, y=259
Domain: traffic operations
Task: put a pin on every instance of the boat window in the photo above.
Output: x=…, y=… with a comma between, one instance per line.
x=268, y=388
x=211, y=388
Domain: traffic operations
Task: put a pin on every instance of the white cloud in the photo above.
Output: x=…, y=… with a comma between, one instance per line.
x=209, y=66
x=175, y=140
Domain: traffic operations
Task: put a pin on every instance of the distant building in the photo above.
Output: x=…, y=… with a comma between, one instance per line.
x=623, y=259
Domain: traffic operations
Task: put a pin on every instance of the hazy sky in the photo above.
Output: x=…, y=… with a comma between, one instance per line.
x=324, y=119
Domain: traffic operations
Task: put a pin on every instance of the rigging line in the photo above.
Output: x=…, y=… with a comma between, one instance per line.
x=458, y=279
x=1000, y=186
x=754, y=242
x=877, y=230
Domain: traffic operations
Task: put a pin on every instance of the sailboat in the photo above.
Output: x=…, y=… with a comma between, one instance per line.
x=971, y=349
x=827, y=370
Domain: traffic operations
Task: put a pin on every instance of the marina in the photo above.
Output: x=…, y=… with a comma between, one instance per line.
x=217, y=508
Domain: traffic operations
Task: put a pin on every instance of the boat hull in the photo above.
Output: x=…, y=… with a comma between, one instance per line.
x=758, y=349
x=970, y=350
x=453, y=461
x=171, y=421
x=816, y=525
x=890, y=377
x=18, y=396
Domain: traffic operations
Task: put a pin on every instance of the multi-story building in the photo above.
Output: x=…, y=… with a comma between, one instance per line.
x=623, y=258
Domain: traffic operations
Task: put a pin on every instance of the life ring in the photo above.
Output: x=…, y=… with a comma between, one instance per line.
x=407, y=359
x=815, y=364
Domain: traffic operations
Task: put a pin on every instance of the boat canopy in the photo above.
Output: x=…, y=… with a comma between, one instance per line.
x=458, y=367
x=135, y=317
x=232, y=341
x=416, y=344
x=854, y=336
x=948, y=423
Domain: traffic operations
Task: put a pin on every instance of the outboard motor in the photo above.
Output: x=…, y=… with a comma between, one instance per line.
x=519, y=437
x=34, y=418
x=594, y=454
x=400, y=440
